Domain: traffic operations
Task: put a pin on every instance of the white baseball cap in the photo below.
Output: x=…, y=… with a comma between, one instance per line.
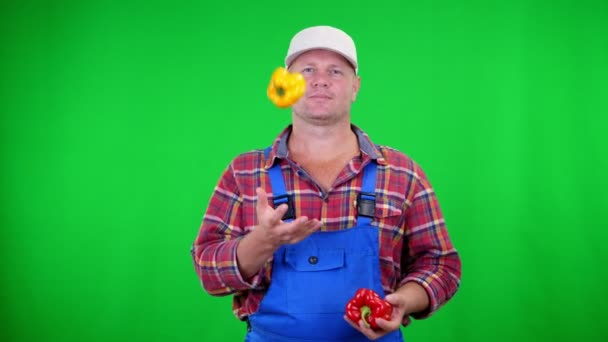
x=322, y=37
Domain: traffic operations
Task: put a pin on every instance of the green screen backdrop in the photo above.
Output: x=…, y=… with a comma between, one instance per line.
x=118, y=117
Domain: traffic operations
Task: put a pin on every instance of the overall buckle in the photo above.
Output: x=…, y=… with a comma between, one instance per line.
x=366, y=204
x=290, y=213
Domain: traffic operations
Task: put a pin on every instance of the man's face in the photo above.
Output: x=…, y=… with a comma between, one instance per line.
x=331, y=86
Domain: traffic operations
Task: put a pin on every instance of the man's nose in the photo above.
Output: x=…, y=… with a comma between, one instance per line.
x=320, y=81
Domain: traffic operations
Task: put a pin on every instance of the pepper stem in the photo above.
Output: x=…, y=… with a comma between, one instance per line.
x=365, y=312
x=280, y=91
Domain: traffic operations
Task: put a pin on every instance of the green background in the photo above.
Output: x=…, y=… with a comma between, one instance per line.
x=117, y=119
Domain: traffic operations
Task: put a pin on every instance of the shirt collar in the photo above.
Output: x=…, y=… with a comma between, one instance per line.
x=366, y=146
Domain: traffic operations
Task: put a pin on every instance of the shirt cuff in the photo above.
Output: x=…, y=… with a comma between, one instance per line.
x=245, y=284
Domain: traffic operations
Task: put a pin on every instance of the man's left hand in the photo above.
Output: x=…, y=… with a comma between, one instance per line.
x=398, y=303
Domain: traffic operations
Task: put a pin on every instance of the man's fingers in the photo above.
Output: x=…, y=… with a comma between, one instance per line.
x=300, y=225
x=314, y=225
x=368, y=332
x=395, y=299
x=262, y=200
x=387, y=325
x=296, y=230
x=310, y=227
x=352, y=324
x=355, y=325
x=278, y=213
x=262, y=208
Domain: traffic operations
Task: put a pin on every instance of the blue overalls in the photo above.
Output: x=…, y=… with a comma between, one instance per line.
x=313, y=280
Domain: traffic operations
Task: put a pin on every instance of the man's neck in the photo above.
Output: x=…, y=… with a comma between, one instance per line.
x=323, y=142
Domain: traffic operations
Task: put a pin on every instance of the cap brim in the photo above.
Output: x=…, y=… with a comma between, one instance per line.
x=293, y=56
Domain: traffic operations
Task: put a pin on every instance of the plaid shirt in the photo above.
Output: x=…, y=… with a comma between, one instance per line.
x=405, y=204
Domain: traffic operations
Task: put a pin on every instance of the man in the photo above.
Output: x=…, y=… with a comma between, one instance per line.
x=294, y=230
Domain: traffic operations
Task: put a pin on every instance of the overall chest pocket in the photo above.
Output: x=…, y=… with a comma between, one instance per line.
x=315, y=261
x=315, y=280
x=389, y=212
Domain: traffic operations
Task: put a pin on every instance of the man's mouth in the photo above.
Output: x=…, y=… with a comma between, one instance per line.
x=320, y=96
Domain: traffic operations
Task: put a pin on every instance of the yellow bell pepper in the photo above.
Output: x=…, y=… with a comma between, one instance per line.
x=285, y=88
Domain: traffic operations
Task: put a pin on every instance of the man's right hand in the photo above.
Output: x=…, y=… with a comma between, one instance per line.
x=277, y=232
x=270, y=233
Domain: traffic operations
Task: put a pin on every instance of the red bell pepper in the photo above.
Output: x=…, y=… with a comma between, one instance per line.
x=368, y=306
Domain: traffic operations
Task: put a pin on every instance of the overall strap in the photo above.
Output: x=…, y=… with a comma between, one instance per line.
x=366, y=207
x=279, y=192
x=366, y=200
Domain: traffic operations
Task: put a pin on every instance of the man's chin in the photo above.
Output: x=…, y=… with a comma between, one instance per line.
x=323, y=116
x=320, y=111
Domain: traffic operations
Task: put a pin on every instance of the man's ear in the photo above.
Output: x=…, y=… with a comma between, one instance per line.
x=356, y=86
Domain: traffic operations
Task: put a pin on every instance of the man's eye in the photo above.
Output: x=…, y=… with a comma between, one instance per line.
x=308, y=70
x=335, y=72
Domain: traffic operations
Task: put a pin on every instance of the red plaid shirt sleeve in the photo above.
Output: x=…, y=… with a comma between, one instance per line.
x=214, y=250
x=435, y=263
